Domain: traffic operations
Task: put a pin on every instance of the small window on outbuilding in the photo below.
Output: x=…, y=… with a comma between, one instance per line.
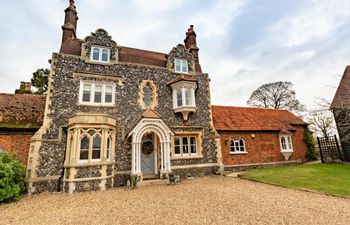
x=237, y=146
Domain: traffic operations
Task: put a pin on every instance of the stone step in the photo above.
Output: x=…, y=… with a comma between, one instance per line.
x=152, y=182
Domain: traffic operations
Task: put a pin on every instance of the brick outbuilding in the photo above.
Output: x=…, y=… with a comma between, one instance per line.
x=21, y=115
x=254, y=137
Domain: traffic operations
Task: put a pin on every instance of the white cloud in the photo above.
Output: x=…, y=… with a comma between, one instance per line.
x=311, y=23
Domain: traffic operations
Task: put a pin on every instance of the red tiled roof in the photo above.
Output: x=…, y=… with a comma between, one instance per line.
x=21, y=110
x=228, y=118
x=342, y=96
x=133, y=55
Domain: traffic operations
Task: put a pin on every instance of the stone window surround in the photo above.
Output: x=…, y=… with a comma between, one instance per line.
x=87, y=121
x=100, y=54
x=93, y=83
x=181, y=62
x=288, y=141
x=153, y=87
x=199, y=138
x=239, y=152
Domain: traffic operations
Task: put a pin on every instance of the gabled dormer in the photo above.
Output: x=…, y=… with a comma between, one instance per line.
x=100, y=48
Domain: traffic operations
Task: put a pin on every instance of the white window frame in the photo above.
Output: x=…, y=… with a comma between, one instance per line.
x=183, y=64
x=100, y=54
x=188, y=154
x=289, y=143
x=92, y=93
x=192, y=98
x=237, y=140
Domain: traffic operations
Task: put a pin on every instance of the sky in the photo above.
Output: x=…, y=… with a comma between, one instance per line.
x=243, y=43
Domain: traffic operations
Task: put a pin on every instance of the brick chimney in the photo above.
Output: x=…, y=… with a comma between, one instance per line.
x=191, y=45
x=70, y=22
x=24, y=88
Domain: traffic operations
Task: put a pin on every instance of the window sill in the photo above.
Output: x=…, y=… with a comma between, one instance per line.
x=91, y=163
x=238, y=153
x=99, y=62
x=186, y=157
x=96, y=105
x=287, y=150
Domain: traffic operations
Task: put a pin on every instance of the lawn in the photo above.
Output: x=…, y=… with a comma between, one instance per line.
x=328, y=178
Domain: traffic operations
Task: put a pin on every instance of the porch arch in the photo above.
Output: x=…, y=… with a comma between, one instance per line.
x=164, y=134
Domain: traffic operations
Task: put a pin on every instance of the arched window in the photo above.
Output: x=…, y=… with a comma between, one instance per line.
x=237, y=146
x=147, y=95
x=96, y=147
x=286, y=143
x=108, y=150
x=84, y=148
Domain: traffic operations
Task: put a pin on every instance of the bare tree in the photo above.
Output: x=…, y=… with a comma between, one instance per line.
x=277, y=95
x=321, y=119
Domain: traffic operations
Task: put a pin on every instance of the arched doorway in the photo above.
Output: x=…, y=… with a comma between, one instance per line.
x=150, y=148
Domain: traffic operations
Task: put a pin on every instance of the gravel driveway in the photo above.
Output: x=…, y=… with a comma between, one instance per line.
x=209, y=200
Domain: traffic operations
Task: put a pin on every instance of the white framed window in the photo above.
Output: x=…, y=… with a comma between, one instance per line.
x=92, y=93
x=286, y=143
x=185, y=146
x=237, y=146
x=99, y=54
x=184, y=97
x=181, y=66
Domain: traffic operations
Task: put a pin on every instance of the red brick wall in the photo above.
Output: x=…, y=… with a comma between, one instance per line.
x=17, y=143
x=263, y=148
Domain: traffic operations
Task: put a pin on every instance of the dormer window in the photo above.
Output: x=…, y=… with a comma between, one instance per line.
x=99, y=54
x=181, y=66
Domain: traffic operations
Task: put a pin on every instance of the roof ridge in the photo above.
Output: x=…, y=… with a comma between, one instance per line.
x=162, y=53
x=249, y=107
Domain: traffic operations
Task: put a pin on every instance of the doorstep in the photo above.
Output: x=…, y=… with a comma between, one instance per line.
x=152, y=182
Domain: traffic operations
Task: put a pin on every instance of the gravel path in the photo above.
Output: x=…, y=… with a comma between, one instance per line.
x=209, y=200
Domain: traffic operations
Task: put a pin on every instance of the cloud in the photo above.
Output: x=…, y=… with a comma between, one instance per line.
x=243, y=43
x=316, y=21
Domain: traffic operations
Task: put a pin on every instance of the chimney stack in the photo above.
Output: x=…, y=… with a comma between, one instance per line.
x=24, y=88
x=191, y=45
x=70, y=22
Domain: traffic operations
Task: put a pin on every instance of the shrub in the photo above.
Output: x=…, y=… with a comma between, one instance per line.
x=12, y=178
x=310, y=153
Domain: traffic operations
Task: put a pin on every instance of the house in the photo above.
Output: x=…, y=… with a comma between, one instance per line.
x=113, y=111
x=255, y=137
x=21, y=115
x=341, y=111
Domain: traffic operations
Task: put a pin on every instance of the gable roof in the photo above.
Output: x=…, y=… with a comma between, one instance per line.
x=342, y=96
x=126, y=54
x=21, y=111
x=140, y=56
x=229, y=118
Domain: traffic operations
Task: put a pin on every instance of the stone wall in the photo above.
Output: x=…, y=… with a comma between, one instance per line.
x=264, y=147
x=127, y=110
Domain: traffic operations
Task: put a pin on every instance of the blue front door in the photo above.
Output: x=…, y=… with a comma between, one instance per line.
x=147, y=157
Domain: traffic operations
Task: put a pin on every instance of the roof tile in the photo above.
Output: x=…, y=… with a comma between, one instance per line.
x=228, y=118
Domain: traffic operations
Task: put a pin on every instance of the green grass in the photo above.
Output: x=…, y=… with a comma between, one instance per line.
x=327, y=178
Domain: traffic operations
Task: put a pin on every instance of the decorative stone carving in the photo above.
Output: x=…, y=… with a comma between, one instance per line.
x=154, y=95
x=101, y=39
x=180, y=52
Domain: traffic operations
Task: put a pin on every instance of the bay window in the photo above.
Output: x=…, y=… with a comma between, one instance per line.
x=286, y=145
